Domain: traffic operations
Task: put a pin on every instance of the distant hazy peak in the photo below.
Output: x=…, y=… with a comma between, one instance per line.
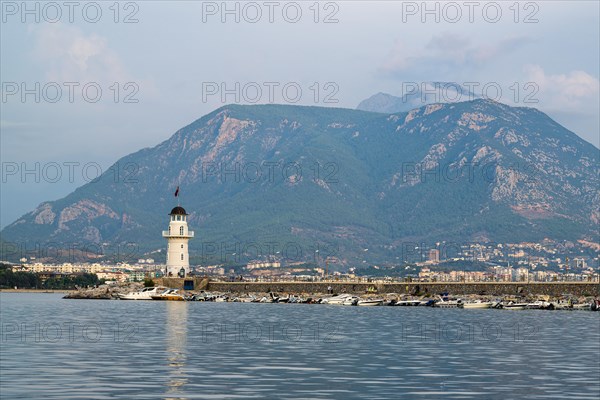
x=415, y=95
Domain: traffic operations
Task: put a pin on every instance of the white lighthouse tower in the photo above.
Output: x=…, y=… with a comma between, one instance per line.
x=178, y=236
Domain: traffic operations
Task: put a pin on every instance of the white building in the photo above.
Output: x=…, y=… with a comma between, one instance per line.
x=263, y=264
x=522, y=274
x=178, y=236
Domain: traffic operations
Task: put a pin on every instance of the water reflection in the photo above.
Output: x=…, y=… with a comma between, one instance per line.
x=176, y=343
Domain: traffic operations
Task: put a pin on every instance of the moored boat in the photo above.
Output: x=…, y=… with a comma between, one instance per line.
x=293, y=299
x=369, y=302
x=540, y=305
x=478, y=304
x=280, y=299
x=514, y=306
x=144, y=294
x=447, y=303
x=242, y=299
x=351, y=301
x=408, y=303
x=170, y=295
x=583, y=307
x=337, y=300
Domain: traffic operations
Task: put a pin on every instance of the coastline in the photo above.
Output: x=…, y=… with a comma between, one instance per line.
x=38, y=290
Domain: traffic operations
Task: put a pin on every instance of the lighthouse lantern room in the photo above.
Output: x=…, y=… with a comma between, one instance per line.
x=178, y=235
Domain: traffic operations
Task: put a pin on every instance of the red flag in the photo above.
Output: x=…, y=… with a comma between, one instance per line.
x=177, y=191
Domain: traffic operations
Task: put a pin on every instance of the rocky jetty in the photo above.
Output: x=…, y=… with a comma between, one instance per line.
x=104, y=292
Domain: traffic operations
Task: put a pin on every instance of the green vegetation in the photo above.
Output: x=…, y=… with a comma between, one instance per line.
x=10, y=279
x=71, y=281
x=29, y=280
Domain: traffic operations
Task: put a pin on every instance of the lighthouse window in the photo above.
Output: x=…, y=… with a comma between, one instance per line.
x=182, y=246
x=181, y=230
x=181, y=256
x=169, y=230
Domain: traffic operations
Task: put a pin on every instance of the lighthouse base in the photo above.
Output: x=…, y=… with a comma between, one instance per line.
x=177, y=271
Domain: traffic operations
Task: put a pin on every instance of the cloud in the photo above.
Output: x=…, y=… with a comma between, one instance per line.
x=399, y=58
x=68, y=54
x=490, y=51
x=447, y=51
x=574, y=91
x=450, y=47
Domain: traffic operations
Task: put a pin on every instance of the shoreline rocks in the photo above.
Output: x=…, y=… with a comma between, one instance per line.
x=104, y=292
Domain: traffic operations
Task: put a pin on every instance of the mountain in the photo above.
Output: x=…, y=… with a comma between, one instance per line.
x=416, y=95
x=289, y=180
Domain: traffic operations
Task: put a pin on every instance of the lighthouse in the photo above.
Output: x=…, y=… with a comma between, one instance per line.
x=178, y=235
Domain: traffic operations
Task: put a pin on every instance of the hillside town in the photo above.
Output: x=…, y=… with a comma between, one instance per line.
x=522, y=262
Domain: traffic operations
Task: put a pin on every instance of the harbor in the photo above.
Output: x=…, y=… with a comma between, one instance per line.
x=335, y=294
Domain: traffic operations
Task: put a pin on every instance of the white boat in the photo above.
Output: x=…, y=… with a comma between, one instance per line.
x=295, y=299
x=280, y=299
x=540, y=305
x=351, y=301
x=408, y=303
x=369, y=302
x=247, y=299
x=514, y=306
x=337, y=300
x=144, y=294
x=563, y=305
x=478, y=304
x=170, y=295
x=582, y=306
x=449, y=303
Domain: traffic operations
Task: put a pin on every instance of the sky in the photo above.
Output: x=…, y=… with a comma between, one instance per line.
x=86, y=84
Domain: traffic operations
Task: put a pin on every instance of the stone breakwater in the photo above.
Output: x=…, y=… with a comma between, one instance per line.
x=552, y=289
x=316, y=289
x=104, y=292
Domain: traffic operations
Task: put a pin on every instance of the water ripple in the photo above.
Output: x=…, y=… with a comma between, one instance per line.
x=78, y=349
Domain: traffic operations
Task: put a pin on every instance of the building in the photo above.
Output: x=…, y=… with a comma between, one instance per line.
x=112, y=276
x=580, y=263
x=425, y=274
x=434, y=256
x=522, y=274
x=178, y=235
x=263, y=264
x=136, y=276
